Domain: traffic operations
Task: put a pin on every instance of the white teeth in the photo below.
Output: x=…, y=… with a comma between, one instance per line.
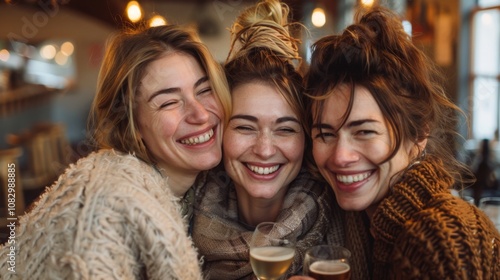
x=199, y=139
x=349, y=179
x=263, y=170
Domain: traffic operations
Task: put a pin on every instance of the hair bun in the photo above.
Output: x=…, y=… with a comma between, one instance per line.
x=264, y=25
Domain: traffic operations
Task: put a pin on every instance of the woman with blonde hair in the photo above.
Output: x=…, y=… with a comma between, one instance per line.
x=123, y=212
x=262, y=178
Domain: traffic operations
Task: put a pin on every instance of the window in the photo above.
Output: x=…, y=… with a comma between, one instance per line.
x=485, y=70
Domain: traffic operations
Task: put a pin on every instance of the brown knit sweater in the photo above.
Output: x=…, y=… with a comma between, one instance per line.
x=422, y=231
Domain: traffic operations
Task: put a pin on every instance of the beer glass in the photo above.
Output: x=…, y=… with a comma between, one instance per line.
x=271, y=250
x=327, y=262
x=491, y=206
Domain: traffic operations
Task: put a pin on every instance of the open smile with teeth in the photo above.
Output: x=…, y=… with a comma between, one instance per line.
x=198, y=139
x=263, y=170
x=349, y=179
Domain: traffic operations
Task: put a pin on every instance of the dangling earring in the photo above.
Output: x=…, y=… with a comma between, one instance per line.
x=418, y=159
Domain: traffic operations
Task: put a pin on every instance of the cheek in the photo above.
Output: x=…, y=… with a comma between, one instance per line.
x=294, y=149
x=232, y=145
x=320, y=153
x=213, y=105
x=376, y=151
x=165, y=125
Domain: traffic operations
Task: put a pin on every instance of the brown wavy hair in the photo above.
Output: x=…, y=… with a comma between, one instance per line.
x=375, y=52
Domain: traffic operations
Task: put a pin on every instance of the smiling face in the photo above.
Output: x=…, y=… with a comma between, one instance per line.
x=179, y=118
x=350, y=159
x=264, y=142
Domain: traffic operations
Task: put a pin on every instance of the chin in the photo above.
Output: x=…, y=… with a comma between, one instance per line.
x=209, y=163
x=350, y=204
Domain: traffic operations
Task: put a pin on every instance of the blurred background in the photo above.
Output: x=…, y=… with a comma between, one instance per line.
x=51, y=50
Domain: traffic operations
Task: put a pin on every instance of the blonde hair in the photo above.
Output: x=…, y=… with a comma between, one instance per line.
x=112, y=119
x=262, y=50
x=264, y=25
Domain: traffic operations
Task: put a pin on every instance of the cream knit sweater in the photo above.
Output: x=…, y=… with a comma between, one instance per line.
x=110, y=216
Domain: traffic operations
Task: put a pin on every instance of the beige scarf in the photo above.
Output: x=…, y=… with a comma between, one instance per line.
x=222, y=240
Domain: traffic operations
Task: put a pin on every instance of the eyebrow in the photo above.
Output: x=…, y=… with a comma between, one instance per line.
x=176, y=89
x=255, y=119
x=350, y=124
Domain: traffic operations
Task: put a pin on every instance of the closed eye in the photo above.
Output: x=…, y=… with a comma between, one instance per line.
x=366, y=132
x=205, y=91
x=287, y=130
x=244, y=128
x=168, y=104
x=323, y=134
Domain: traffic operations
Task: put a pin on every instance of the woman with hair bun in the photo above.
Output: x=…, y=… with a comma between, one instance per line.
x=262, y=178
x=381, y=127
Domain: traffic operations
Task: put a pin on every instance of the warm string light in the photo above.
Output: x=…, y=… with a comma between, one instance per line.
x=318, y=17
x=135, y=14
x=134, y=11
x=157, y=20
x=60, y=57
x=367, y=3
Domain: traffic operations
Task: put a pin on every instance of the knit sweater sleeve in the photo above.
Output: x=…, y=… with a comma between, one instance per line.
x=109, y=216
x=134, y=235
x=131, y=225
x=421, y=231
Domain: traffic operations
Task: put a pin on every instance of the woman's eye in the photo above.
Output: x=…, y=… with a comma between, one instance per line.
x=323, y=135
x=287, y=130
x=366, y=132
x=168, y=104
x=244, y=128
x=205, y=91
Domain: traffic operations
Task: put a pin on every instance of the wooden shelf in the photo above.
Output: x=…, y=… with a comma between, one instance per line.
x=22, y=97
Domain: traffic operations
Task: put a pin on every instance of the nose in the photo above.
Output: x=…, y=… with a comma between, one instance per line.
x=264, y=146
x=343, y=153
x=197, y=113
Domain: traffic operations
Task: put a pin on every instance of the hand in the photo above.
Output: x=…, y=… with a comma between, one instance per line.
x=300, y=278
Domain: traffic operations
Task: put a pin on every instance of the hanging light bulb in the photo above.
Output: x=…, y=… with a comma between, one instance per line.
x=318, y=17
x=157, y=20
x=367, y=3
x=134, y=11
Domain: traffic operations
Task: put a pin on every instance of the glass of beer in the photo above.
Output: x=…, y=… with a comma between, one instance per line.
x=271, y=250
x=327, y=262
x=491, y=206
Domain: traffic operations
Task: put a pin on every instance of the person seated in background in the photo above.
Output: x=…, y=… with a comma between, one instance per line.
x=484, y=172
x=157, y=118
x=262, y=178
x=381, y=124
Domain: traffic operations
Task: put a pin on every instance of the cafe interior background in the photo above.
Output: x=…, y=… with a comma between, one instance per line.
x=51, y=50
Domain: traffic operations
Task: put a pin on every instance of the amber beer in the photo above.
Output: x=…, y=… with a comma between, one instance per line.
x=330, y=270
x=271, y=262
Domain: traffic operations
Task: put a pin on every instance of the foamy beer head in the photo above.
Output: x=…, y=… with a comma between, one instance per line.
x=329, y=269
x=327, y=262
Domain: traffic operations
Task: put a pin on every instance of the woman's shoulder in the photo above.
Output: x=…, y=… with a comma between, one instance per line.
x=456, y=230
x=106, y=175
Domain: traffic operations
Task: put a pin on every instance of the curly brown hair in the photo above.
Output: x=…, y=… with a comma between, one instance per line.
x=375, y=52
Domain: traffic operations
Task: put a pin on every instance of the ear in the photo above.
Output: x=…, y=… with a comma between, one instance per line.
x=422, y=144
x=416, y=149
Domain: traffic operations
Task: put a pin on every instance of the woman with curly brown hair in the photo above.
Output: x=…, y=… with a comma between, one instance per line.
x=381, y=127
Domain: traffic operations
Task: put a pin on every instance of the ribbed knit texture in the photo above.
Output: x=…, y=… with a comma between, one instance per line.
x=223, y=240
x=422, y=231
x=110, y=216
